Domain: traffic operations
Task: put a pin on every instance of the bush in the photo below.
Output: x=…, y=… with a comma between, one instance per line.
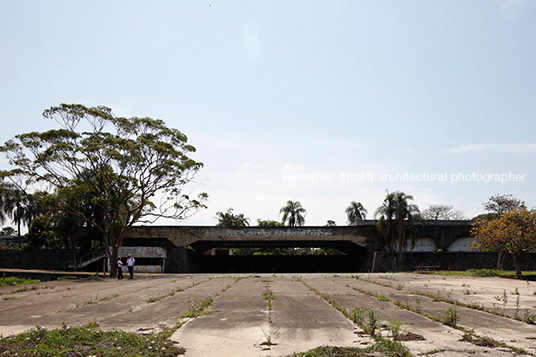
x=483, y=272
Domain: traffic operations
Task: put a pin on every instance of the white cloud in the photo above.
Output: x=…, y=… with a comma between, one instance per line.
x=504, y=148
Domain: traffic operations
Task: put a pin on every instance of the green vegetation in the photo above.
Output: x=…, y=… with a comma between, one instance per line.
x=450, y=317
x=230, y=219
x=355, y=212
x=396, y=217
x=200, y=309
x=158, y=298
x=477, y=273
x=86, y=340
x=396, y=327
x=385, y=348
x=513, y=232
x=13, y=280
x=104, y=172
x=293, y=213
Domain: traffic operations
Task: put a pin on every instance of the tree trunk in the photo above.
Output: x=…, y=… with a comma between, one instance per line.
x=500, y=260
x=515, y=257
x=400, y=259
x=400, y=262
x=113, y=261
x=18, y=228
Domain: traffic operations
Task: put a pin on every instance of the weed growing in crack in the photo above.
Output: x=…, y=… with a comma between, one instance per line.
x=373, y=323
x=394, y=348
x=158, y=298
x=357, y=315
x=269, y=296
x=396, y=327
x=382, y=297
x=203, y=308
x=450, y=317
x=271, y=336
x=528, y=317
x=517, y=305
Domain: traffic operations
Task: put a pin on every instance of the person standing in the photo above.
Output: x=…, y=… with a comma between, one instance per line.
x=130, y=265
x=119, y=268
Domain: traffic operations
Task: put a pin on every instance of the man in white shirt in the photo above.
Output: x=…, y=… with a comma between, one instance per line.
x=130, y=265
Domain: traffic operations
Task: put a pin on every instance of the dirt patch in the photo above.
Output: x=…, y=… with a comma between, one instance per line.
x=478, y=341
x=409, y=336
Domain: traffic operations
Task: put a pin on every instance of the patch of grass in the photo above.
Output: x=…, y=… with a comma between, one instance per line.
x=479, y=273
x=5, y=298
x=67, y=277
x=158, y=298
x=382, y=297
x=13, y=280
x=384, y=348
x=86, y=340
x=200, y=309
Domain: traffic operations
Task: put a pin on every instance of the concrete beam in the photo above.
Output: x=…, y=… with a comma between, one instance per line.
x=182, y=236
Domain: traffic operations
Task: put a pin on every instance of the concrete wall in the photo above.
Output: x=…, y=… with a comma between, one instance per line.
x=158, y=255
x=48, y=259
x=181, y=260
x=450, y=261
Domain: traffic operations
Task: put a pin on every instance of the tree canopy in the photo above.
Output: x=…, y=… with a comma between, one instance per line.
x=500, y=204
x=231, y=219
x=395, y=219
x=269, y=223
x=512, y=232
x=442, y=212
x=355, y=211
x=293, y=213
x=124, y=170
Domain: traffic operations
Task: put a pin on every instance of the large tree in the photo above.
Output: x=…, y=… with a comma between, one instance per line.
x=293, y=213
x=442, y=212
x=395, y=222
x=138, y=168
x=355, y=212
x=512, y=232
x=496, y=206
x=500, y=204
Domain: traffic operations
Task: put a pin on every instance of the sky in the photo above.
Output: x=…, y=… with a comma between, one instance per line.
x=321, y=102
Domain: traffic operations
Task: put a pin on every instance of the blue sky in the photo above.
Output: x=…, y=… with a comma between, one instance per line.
x=324, y=102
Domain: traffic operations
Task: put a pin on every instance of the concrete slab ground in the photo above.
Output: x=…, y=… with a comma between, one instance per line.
x=248, y=311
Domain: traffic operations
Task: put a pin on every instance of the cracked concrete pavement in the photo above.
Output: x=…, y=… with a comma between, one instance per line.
x=242, y=321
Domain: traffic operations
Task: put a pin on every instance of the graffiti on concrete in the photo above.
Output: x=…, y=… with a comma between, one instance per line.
x=148, y=269
x=143, y=252
x=278, y=232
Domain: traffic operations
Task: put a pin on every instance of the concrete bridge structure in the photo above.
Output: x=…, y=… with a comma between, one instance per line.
x=359, y=235
x=356, y=241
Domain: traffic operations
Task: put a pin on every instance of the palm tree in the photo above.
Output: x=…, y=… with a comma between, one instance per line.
x=293, y=214
x=355, y=212
x=229, y=219
x=20, y=206
x=395, y=222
